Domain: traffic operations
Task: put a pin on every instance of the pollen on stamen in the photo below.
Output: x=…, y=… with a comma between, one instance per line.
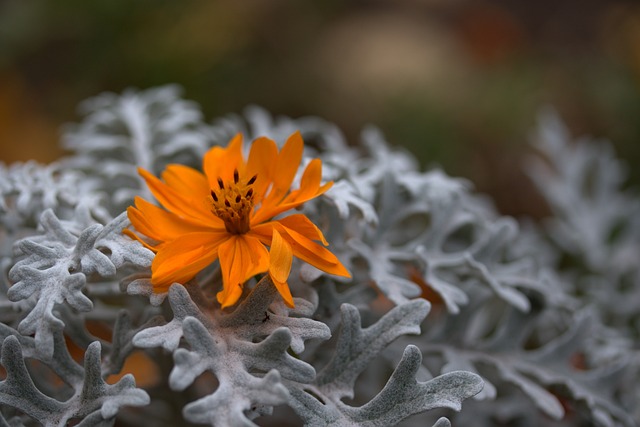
x=233, y=202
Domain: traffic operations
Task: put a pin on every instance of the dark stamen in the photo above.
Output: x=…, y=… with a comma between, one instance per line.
x=213, y=194
x=238, y=197
x=249, y=193
x=220, y=183
x=236, y=178
x=252, y=180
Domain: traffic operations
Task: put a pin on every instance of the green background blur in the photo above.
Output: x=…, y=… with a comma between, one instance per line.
x=457, y=82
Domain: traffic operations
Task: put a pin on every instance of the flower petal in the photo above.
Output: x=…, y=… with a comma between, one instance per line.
x=241, y=257
x=176, y=202
x=284, y=291
x=287, y=204
x=181, y=259
x=262, y=163
x=263, y=232
x=304, y=226
x=160, y=225
x=220, y=162
x=287, y=165
x=280, y=259
x=313, y=253
x=309, y=189
x=186, y=180
x=309, y=184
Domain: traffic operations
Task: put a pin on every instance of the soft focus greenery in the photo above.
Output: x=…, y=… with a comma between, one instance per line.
x=459, y=83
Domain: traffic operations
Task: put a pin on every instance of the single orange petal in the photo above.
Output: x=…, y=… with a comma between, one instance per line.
x=286, y=167
x=262, y=232
x=303, y=247
x=284, y=291
x=299, y=197
x=186, y=180
x=304, y=226
x=280, y=259
x=175, y=201
x=309, y=189
x=229, y=295
x=292, y=201
x=241, y=257
x=262, y=163
x=181, y=259
x=309, y=184
x=161, y=225
x=311, y=252
x=139, y=221
x=312, y=176
x=220, y=162
x=297, y=222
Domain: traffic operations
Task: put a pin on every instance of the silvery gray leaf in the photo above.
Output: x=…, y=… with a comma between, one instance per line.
x=94, y=399
x=53, y=269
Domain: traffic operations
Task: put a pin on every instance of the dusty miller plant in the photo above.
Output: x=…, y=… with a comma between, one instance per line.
x=449, y=302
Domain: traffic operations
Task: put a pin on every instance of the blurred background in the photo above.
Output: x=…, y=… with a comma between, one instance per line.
x=457, y=82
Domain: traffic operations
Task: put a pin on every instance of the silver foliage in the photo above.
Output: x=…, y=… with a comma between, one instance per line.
x=449, y=300
x=93, y=401
x=121, y=133
x=596, y=221
x=52, y=269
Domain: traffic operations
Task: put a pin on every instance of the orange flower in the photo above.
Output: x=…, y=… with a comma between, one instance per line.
x=227, y=214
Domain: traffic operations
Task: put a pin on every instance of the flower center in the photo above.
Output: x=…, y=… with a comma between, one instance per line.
x=233, y=203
